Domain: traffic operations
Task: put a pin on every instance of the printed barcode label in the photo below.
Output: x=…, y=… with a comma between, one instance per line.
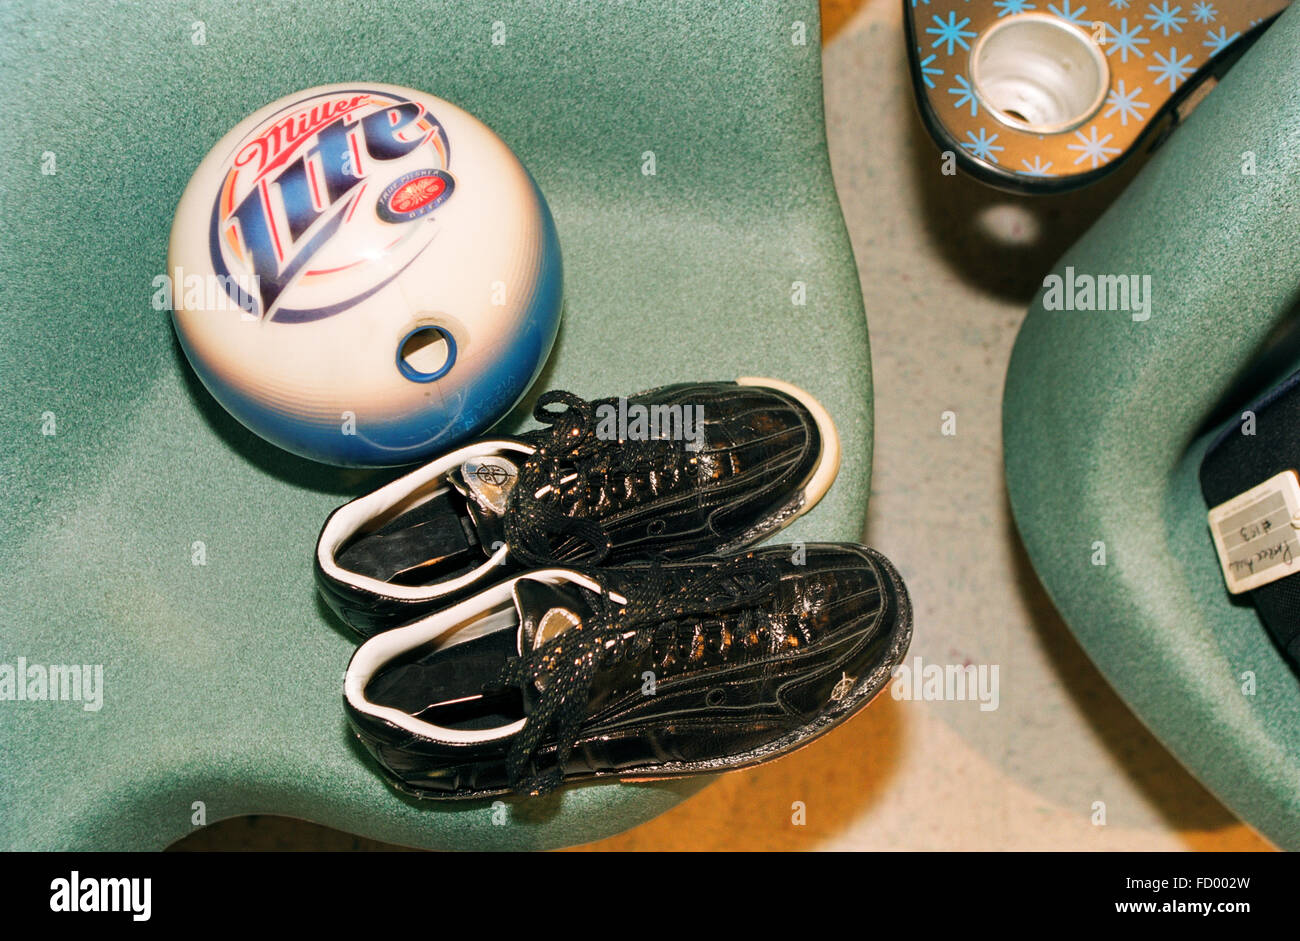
x=1257, y=533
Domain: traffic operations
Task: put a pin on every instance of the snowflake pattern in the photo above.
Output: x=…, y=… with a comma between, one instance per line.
x=928, y=70
x=1172, y=70
x=1153, y=47
x=984, y=146
x=1093, y=148
x=1124, y=40
x=1125, y=104
x=1163, y=18
x=1037, y=168
x=965, y=95
x=1065, y=13
x=952, y=32
x=1220, y=40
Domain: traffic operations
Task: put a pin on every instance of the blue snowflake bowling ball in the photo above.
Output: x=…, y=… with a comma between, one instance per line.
x=364, y=274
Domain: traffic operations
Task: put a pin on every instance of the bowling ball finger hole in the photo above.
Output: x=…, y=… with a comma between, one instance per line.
x=426, y=353
x=1038, y=73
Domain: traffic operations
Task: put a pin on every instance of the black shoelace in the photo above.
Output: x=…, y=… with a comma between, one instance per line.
x=563, y=668
x=569, y=449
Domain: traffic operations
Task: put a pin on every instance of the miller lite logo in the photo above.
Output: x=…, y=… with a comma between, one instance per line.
x=327, y=201
x=413, y=195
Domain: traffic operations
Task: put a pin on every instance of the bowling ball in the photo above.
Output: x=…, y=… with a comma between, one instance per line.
x=364, y=274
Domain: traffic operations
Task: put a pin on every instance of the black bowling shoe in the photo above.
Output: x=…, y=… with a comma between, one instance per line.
x=736, y=462
x=632, y=672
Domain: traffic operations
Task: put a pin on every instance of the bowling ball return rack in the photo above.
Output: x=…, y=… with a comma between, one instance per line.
x=1106, y=421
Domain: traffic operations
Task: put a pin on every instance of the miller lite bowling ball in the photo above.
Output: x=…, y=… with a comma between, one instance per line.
x=364, y=274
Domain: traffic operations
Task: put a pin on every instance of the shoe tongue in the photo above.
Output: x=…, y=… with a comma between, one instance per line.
x=485, y=482
x=546, y=610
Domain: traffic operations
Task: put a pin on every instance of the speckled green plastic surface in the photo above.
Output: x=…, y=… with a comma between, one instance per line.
x=1106, y=420
x=222, y=681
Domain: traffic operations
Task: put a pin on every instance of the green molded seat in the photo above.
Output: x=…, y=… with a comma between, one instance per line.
x=222, y=681
x=1106, y=420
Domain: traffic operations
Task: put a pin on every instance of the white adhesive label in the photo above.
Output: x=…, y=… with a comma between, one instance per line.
x=1257, y=533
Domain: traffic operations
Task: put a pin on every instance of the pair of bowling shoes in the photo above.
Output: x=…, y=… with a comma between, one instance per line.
x=584, y=601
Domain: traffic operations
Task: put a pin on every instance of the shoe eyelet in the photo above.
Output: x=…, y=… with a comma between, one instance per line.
x=656, y=527
x=715, y=697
